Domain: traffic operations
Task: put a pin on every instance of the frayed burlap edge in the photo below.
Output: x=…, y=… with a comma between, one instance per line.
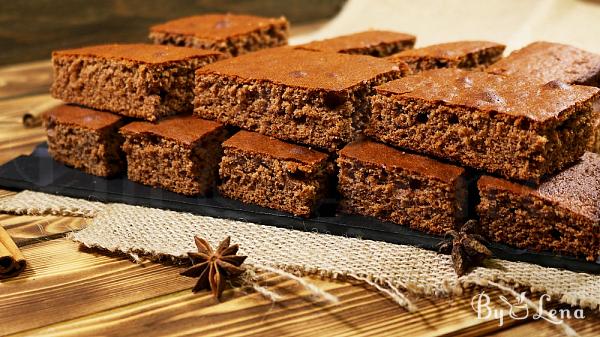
x=391, y=269
x=154, y=232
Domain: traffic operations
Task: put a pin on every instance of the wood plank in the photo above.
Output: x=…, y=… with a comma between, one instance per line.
x=25, y=79
x=100, y=294
x=15, y=139
x=26, y=229
x=6, y=193
x=240, y=314
x=61, y=282
x=13, y=108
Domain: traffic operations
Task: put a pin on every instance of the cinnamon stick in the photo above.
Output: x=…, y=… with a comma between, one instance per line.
x=11, y=258
x=33, y=117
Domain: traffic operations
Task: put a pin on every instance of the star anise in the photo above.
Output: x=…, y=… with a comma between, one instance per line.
x=214, y=267
x=466, y=247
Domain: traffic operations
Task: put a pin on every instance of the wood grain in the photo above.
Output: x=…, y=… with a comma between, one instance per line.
x=15, y=139
x=25, y=79
x=61, y=282
x=27, y=229
x=6, y=193
x=100, y=294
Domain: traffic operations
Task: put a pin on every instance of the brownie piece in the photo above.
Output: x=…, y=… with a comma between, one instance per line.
x=180, y=153
x=85, y=139
x=560, y=215
x=547, y=61
x=518, y=129
x=377, y=43
x=460, y=54
x=271, y=173
x=229, y=34
x=317, y=99
x=136, y=80
x=379, y=181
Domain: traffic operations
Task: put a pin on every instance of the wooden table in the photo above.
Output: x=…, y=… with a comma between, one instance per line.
x=66, y=290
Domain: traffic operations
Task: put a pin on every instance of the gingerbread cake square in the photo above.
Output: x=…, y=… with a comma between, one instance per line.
x=391, y=185
x=136, y=80
x=316, y=99
x=561, y=215
x=261, y=170
x=180, y=153
x=546, y=61
x=85, y=139
x=378, y=43
x=518, y=129
x=230, y=34
x=460, y=54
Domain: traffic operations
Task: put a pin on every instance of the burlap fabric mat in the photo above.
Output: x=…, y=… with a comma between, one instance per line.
x=159, y=233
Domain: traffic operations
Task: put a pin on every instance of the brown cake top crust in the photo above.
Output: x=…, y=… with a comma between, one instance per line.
x=387, y=156
x=576, y=188
x=304, y=69
x=450, y=50
x=82, y=117
x=217, y=26
x=184, y=129
x=256, y=143
x=360, y=40
x=492, y=93
x=144, y=53
x=547, y=61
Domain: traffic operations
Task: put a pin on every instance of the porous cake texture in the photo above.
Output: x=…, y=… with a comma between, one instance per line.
x=460, y=54
x=378, y=43
x=500, y=124
x=85, y=139
x=316, y=99
x=180, y=153
x=261, y=170
x=421, y=193
x=561, y=215
x=136, y=80
x=230, y=34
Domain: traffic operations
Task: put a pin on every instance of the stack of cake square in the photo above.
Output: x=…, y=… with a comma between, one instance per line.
x=410, y=189
x=109, y=87
x=562, y=213
x=298, y=107
x=528, y=135
x=420, y=137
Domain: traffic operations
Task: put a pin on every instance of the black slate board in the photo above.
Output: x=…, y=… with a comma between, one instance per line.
x=39, y=172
